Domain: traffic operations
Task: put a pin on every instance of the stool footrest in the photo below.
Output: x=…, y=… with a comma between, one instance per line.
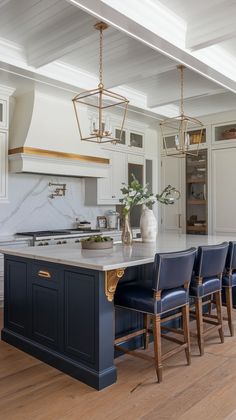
x=129, y=336
x=135, y=353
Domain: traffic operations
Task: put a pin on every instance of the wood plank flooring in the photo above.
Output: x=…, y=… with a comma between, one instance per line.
x=206, y=390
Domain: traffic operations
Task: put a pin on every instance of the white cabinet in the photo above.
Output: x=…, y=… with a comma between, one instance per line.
x=224, y=191
x=106, y=191
x=173, y=216
x=5, y=93
x=3, y=166
x=4, y=114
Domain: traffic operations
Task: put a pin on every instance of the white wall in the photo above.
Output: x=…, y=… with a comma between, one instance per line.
x=30, y=207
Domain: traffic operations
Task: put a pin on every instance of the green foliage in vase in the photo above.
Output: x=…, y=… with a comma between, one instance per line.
x=136, y=194
x=97, y=238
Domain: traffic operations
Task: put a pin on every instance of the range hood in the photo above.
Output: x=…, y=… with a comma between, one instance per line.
x=44, y=138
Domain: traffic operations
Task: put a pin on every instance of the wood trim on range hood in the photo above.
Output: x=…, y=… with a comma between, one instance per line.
x=54, y=154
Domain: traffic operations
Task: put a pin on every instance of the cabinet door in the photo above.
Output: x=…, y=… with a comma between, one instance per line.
x=119, y=174
x=3, y=166
x=45, y=294
x=173, y=216
x=16, y=309
x=3, y=113
x=80, y=315
x=223, y=191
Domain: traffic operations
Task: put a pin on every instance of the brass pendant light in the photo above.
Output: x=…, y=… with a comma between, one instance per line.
x=181, y=127
x=96, y=102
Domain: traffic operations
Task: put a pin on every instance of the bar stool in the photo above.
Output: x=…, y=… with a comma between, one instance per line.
x=169, y=290
x=229, y=281
x=206, y=282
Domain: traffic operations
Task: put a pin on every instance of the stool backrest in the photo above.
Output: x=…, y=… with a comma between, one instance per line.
x=173, y=269
x=210, y=260
x=231, y=256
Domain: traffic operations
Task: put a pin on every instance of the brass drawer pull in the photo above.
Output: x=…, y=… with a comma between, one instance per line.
x=42, y=273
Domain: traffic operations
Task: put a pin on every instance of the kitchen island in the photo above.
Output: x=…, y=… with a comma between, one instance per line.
x=58, y=301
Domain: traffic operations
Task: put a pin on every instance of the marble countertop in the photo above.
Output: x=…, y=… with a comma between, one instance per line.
x=119, y=256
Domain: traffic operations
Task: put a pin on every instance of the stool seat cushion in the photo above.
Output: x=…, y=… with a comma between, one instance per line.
x=228, y=281
x=141, y=298
x=209, y=285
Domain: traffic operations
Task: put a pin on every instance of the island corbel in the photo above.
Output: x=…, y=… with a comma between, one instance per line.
x=112, y=278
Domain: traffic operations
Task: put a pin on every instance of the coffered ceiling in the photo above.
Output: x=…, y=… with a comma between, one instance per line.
x=54, y=41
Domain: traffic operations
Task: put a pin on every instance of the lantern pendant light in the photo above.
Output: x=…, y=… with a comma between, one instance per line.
x=96, y=102
x=181, y=128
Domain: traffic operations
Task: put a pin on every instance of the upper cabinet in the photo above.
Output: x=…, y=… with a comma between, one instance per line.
x=5, y=93
x=106, y=191
x=129, y=138
x=224, y=133
x=3, y=113
x=193, y=139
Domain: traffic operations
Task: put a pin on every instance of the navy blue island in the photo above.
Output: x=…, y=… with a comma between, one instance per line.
x=58, y=302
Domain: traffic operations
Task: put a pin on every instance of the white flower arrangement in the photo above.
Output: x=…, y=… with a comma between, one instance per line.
x=136, y=194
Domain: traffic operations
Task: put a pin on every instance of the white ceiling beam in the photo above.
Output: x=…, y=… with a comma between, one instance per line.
x=165, y=89
x=67, y=35
x=211, y=27
x=128, y=25
x=133, y=70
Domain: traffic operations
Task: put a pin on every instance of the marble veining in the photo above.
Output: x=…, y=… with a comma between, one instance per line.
x=30, y=208
x=119, y=256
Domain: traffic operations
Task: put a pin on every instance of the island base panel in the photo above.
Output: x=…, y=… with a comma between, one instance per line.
x=85, y=374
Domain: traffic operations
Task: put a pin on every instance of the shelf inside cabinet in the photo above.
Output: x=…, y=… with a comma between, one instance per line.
x=196, y=228
x=196, y=181
x=195, y=202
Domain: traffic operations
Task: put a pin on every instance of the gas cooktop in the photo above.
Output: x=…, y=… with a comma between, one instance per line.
x=56, y=232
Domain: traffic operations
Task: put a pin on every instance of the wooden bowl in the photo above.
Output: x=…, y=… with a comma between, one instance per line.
x=96, y=245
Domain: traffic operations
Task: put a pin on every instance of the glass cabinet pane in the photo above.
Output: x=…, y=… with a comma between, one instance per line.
x=196, y=193
x=196, y=134
x=136, y=140
x=169, y=142
x=121, y=136
x=225, y=132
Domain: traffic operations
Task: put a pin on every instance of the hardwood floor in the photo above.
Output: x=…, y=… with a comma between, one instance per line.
x=206, y=390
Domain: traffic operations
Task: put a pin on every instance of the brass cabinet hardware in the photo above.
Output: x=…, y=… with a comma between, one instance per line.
x=45, y=274
x=179, y=220
x=111, y=280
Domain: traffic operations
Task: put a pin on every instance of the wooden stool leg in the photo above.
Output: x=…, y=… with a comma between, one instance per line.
x=185, y=316
x=210, y=305
x=199, y=320
x=229, y=304
x=219, y=314
x=147, y=327
x=157, y=346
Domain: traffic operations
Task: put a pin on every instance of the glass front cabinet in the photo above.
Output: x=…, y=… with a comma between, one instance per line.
x=196, y=193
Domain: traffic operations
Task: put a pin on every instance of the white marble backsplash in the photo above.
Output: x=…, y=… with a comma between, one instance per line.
x=30, y=208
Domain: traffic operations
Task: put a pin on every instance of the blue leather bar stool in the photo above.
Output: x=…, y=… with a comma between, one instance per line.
x=229, y=281
x=168, y=290
x=206, y=282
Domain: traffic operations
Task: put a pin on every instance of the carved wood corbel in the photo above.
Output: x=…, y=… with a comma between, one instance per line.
x=111, y=280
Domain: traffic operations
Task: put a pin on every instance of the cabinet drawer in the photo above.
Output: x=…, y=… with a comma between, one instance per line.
x=45, y=272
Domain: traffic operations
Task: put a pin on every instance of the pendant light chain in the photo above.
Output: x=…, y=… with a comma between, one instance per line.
x=101, y=58
x=182, y=90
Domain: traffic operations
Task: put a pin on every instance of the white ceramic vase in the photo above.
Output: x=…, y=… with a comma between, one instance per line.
x=148, y=225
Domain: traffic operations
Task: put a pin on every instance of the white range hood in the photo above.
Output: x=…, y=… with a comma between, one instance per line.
x=44, y=138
